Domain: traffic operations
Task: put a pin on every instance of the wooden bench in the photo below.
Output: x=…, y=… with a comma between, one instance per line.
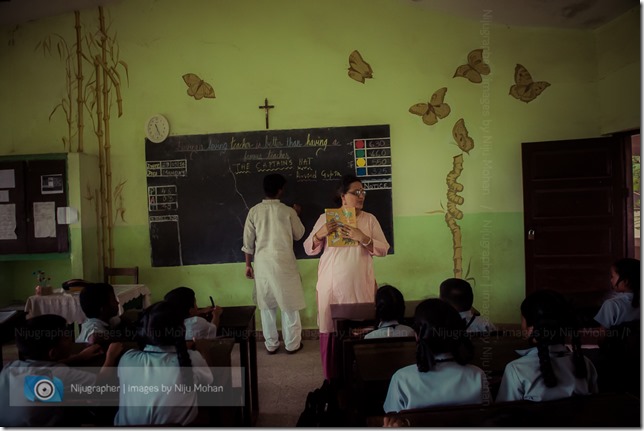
x=599, y=410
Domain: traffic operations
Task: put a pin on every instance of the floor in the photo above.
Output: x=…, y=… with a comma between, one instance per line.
x=284, y=381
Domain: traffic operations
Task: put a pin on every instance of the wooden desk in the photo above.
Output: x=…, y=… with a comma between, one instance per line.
x=238, y=322
x=377, y=360
x=608, y=410
x=347, y=317
x=217, y=353
x=7, y=318
x=68, y=304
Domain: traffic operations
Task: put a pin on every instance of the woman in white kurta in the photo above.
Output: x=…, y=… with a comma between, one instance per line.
x=269, y=232
x=345, y=274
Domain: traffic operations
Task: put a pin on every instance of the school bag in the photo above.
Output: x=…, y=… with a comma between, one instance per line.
x=321, y=408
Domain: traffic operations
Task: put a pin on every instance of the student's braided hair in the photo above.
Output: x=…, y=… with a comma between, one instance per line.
x=161, y=324
x=552, y=320
x=628, y=270
x=440, y=329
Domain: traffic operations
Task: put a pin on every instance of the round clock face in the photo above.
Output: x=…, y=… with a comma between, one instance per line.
x=157, y=128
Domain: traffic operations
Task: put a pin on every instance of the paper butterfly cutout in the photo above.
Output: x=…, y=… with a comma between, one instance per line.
x=462, y=137
x=433, y=110
x=197, y=87
x=526, y=89
x=358, y=68
x=474, y=67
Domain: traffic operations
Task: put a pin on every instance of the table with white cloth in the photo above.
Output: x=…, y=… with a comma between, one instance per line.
x=68, y=304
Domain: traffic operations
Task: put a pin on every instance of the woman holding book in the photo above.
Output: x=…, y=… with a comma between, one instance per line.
x=345, y=271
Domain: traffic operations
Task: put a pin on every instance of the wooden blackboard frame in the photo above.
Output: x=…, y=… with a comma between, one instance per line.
x=200, y=187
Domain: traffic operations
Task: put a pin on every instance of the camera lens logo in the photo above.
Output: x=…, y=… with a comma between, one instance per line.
x=43, y=389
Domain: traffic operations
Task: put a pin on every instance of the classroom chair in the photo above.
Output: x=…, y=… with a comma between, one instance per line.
x=133, y=272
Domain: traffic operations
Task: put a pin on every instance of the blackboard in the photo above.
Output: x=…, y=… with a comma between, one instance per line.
x=200, y=187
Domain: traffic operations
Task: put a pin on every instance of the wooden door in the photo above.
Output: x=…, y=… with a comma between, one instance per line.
x=575, y=216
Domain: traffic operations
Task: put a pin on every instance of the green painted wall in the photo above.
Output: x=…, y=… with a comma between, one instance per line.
x=296, y=53
x=619, y=71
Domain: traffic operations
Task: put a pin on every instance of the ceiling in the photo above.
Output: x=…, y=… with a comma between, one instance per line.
x=580, y=14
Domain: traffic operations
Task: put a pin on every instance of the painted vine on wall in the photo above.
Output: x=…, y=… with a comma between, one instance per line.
x=100, y=50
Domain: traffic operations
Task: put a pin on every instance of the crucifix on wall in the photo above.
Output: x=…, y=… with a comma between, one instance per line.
x=266, y=107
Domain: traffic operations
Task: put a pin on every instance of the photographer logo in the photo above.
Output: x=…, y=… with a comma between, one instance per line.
x=43, y=389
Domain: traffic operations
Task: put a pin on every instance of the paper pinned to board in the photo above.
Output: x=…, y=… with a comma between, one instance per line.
x=4, y=195
x=45, y=219
x=7, y=179
x=66, y=215
x=8, y=221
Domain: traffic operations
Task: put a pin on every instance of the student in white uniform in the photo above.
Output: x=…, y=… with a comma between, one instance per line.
x=624, y=306
x=390, y=311
x=619, y=316
x=458, y=293
x=197, y=327
x=441, y=375
x=164, y=361
x=98, y=302
x=269, y=232
x=44, y=344
x=548, y=371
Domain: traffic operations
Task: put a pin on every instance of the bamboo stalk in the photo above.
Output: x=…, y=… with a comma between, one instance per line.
x=101, y=162
x=79, y=79
x=453, y=213
x=106, y=141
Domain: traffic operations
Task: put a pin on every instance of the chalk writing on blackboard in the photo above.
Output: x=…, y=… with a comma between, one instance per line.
x=167, y=168
x=162, y=198
x=166, y=228
x=218, y=177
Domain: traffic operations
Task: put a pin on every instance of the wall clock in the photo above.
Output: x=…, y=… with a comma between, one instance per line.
x=157, y=128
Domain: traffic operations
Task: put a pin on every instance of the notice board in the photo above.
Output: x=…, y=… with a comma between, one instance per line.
x=200, y=187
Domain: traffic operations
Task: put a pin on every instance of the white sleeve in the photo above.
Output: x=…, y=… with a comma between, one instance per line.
x=249, y=234
x=607, y=315
x=510, y=388
x=202, y=374
x=397, y=399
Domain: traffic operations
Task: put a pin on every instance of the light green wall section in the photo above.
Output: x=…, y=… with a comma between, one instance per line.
x=619, y=71
x=492, y=247
x=296, y=53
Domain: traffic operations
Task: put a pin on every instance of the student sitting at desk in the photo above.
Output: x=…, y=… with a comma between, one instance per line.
x=458, y=293
x=441, y=375
x=197, y=328
x=164, y=359
x=390, y=311
x=44, y=343
x=625, y=305
x=98, y=302
x=548, y=371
